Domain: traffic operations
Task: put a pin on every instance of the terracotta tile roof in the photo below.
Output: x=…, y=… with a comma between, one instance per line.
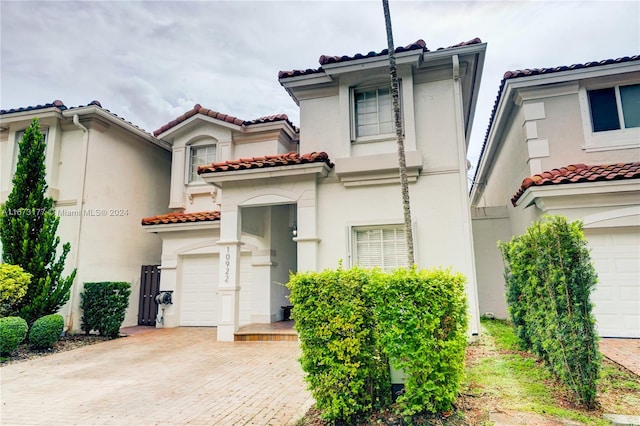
x=509, y=75
x=163, y=219
x=61, y=107
x=198, y=109
x=57, y=104
x=326, y=59
x=289, y=159
x=579, y=173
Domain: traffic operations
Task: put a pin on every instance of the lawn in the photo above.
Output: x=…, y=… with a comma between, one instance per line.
x=504, y=382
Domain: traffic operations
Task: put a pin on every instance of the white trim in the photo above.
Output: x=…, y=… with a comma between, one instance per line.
x=605, y=140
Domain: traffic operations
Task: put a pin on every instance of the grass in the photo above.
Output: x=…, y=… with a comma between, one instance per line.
x=504, y=377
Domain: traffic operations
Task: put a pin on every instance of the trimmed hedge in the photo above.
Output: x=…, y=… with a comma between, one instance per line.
x=46, y=331
x=104, y=305
x=13, y=330
x=346, y=368
x=423, y=318
x=549, y=279
x=351, y=322
x=14, y=282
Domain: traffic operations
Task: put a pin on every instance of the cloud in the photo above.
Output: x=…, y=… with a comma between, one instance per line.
x=150, y=61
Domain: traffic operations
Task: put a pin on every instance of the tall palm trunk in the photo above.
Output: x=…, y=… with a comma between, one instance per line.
x=402, y=162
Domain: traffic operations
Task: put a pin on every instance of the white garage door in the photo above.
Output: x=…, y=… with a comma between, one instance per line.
x=198, y=298
x=615, y=253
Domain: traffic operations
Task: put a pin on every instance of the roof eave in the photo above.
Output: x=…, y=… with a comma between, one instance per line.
x=183, y=226
x=173, y=131
x=95, y=110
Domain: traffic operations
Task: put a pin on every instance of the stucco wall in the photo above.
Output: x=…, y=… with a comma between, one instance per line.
x=126, y=180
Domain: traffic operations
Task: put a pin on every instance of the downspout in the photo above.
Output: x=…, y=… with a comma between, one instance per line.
x=76, y=122
x=466, y=212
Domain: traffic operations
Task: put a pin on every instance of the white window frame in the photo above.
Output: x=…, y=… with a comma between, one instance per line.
x=353, y=242
x=354, y=121
x=608, y=139
x=189, y=176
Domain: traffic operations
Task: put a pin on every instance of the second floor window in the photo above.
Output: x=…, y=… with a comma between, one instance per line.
x=373, y=111
x=199, y=156
x=615, y=108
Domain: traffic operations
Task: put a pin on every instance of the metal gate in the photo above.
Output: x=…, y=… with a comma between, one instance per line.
x=149, y=289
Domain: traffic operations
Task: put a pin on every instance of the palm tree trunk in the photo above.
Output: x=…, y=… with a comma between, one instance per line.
x=402, y=162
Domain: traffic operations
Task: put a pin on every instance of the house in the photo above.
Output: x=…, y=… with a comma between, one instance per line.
x=103, y=174
x=566, y=141
x=254, y=200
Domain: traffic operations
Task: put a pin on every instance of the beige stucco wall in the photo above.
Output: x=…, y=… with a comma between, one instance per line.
x=552, y=118
x=126, y=180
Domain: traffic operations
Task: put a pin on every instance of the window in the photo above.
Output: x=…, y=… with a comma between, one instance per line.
x=383, y=246
x=199, y=156
x=373, y=111
x=615, y=108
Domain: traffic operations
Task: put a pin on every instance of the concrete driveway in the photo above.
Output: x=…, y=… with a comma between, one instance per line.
x=164, y=377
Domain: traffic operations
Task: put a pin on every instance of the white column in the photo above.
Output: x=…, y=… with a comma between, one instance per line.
x=307, y=238
x=229, y=281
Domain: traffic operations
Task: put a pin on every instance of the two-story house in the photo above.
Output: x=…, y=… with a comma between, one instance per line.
x=566, y=141
x=265, y=211
x=103, y=173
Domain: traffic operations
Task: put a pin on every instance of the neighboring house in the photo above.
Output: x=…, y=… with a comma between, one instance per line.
x=103, y=173
x=566, y=141
x=263, y=211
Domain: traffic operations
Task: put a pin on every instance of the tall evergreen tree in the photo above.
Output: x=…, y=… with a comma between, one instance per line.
x=28, y=225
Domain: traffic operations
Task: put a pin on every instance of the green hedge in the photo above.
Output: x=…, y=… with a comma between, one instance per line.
x=423, y=318
x=549, y=279
x=350, y=322
x=341, y=354
x=14, y=282
x=13, y=330
x=46, y=331
x=104, y=305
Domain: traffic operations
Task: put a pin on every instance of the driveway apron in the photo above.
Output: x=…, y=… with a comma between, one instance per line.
x=179, y=376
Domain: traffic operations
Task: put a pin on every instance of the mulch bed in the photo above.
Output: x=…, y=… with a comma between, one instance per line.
x=66, y=343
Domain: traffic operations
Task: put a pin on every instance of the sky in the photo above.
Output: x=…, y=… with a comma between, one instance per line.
x=151, y=61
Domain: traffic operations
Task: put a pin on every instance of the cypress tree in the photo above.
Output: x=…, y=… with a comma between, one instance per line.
x=28, y=226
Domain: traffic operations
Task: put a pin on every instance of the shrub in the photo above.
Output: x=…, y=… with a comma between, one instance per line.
x=423, y=318
x=13, y=286
x=549, y=282
x=351, y=322
x=13, y=330
x=346, y=369
x=46, y=331
x=104, y=305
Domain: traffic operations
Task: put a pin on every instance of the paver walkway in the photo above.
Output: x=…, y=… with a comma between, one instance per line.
x=179, y=376
x=625, y=352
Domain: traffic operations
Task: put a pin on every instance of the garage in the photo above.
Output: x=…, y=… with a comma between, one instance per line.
x=198, y=298
x=615, y=253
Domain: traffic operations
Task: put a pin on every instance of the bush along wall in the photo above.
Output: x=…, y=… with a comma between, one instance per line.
x=351, y=322
x=549, y=279
x=46, y=331
x=104, y=305
x=13, y=330
x=346, y=369
x=422, y=315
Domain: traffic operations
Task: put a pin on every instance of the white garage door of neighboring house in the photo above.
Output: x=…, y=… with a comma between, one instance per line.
x=615, y=253
x=198, y=298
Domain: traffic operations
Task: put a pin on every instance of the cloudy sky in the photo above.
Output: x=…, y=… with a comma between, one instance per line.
x=150, y=61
